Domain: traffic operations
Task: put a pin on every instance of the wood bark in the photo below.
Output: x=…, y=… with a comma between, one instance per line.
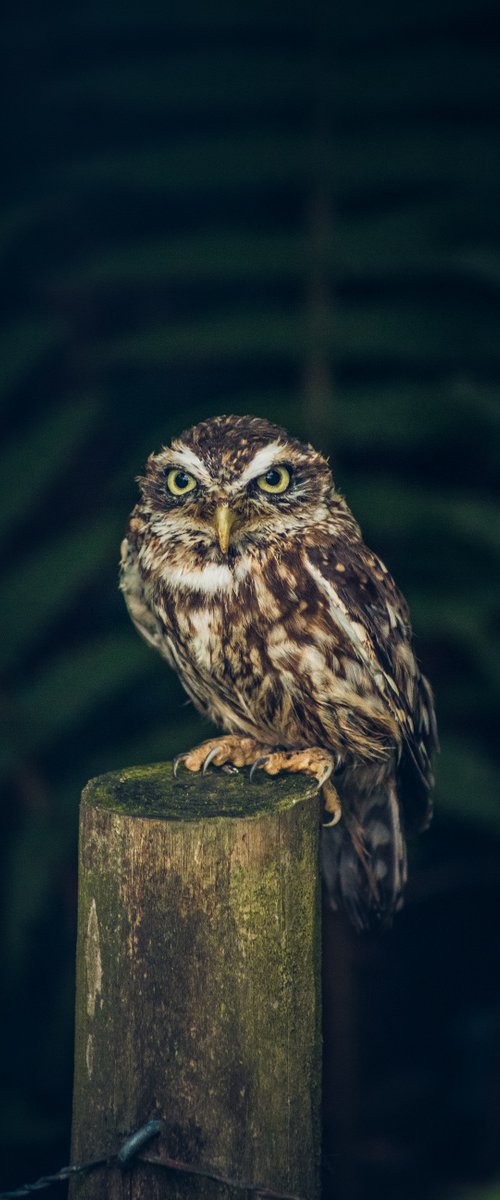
x=198, y=983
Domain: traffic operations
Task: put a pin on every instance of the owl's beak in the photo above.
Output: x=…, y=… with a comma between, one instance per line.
x=224, y=520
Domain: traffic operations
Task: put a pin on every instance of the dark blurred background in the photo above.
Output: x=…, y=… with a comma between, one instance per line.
x=288, y=209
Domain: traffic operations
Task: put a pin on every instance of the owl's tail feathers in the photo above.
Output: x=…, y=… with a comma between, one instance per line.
x=364, y=861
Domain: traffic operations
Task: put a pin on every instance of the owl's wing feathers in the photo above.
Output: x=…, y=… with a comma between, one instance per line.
x=136, y=594
x=374, y=615
x=363, y=859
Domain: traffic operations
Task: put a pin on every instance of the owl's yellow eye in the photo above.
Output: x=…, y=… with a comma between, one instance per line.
x=275, y=481
x=179, y=482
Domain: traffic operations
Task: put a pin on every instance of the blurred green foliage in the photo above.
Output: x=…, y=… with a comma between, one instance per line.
x=290, y=210
x=489, y=1193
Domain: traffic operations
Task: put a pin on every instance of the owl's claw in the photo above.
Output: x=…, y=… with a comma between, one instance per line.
x=210, y=757
x=176, y=764
x=332, y=806
x=259, y=762
x=314, y=761
x=334, y=820
x=228, y=768
x=228, y=752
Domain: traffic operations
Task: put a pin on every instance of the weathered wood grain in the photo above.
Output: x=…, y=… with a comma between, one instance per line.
x=198, y=996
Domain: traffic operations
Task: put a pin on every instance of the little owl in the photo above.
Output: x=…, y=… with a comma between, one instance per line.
x=245, y=568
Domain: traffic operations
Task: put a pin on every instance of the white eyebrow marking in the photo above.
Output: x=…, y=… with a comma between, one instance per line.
x=182, y=456
x=260, y=463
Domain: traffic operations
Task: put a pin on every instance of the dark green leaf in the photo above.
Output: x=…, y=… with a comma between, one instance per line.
x=42, y=588
x=31, y=462
x=468, y=782
x=24, y=345
x=74, y=684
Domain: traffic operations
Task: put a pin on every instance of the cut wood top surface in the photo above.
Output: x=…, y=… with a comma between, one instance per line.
x=153, y=791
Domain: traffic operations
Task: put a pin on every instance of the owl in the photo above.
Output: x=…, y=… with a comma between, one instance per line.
x=244, y=567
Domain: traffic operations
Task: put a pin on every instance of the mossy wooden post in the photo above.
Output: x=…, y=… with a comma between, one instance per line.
x=198, y=996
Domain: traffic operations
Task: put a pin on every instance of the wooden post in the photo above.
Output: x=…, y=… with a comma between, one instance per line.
x=198, y=993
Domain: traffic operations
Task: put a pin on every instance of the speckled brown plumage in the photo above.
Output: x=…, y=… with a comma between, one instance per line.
x=289, y=633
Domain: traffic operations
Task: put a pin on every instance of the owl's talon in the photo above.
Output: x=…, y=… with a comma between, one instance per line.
x=325, y=774
x=333, y=819
x=312, y=761
x=332, y=807
x=228, y=752
x=177, y=761
x=210, y=757
x=255, y=766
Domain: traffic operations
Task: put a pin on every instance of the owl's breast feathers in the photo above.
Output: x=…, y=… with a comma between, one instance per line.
x=305, y=643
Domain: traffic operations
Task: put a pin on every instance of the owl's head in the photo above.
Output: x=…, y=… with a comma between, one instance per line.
x=233, y=482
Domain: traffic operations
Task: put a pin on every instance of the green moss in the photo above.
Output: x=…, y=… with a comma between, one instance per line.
x=152, y=791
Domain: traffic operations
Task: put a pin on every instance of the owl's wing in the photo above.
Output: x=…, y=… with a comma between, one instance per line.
x=374, y=616
x=138, y=601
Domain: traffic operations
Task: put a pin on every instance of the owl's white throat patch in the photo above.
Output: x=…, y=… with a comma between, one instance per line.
x=210, y=578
